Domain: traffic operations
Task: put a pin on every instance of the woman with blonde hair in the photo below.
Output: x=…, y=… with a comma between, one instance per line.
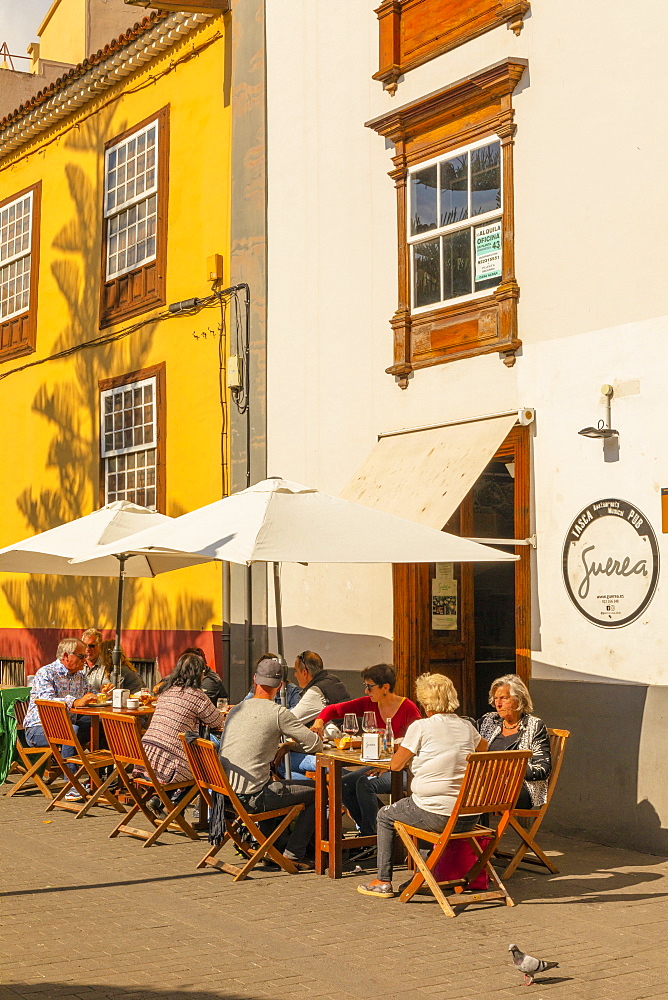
x=436, y=749
x=512, y=726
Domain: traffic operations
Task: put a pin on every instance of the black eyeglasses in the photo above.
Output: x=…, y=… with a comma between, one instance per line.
x=91, y=645
x=79, y=656
x=369, y=687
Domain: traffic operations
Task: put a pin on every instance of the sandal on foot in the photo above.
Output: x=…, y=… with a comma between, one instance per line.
x=381, y=890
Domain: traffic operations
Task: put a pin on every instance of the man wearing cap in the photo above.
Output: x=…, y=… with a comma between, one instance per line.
x=254, y=731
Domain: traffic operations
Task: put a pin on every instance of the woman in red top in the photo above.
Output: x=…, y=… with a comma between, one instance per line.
x=361, y=787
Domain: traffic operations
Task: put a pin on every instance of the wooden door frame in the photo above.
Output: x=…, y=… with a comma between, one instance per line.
x=410, y=584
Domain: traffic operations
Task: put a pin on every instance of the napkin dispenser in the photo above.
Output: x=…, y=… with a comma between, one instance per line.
x=119, y=698
x=371, y=746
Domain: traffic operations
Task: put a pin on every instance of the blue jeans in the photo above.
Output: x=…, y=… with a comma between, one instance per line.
x=80, y=724
x=300, y=763
x=359, y=794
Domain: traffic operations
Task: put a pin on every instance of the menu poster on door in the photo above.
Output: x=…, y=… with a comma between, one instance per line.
x=444, y=599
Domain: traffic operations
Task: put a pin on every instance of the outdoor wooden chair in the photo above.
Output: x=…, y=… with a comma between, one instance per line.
x=528, y=852
x=210, y=776
x=491, y=784
x=59, y=731
x=31, y=760
x=123, y=734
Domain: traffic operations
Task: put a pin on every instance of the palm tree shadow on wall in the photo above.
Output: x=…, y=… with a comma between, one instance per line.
x=68, y=402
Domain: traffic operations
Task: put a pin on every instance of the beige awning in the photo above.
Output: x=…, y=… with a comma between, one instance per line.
x=424, y=474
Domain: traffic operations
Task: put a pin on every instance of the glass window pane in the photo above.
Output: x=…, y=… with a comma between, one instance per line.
x=454, y=190
x=457, y=264
x=486, y=179
x=426, y=267
x=423, y=200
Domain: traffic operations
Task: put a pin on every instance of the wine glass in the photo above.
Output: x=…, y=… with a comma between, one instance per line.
x=369, y=722
x=350, y=724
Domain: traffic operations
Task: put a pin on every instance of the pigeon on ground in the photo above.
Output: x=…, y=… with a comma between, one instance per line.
x=528, y=965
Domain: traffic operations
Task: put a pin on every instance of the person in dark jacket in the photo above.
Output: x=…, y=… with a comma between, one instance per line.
x=211, y=683
x=319, y=688
x=512, y=727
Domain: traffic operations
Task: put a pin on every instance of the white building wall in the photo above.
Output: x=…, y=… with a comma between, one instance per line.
x=590, y=209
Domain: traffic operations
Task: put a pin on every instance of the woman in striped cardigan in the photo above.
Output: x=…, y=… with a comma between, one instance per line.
x=512, y=727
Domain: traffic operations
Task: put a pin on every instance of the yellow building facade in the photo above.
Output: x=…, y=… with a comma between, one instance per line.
x=114, y=198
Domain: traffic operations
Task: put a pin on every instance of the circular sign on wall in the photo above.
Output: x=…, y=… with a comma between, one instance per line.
x=610, y=562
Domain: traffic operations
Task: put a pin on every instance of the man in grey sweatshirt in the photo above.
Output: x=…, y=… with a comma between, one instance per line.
x=254, y=731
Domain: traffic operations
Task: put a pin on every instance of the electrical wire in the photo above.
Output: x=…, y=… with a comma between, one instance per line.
x=222, y=373
x=110, y=338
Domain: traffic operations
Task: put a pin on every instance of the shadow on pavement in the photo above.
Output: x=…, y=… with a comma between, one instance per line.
x=598, y=886
x=92, y=991
x=104, y=885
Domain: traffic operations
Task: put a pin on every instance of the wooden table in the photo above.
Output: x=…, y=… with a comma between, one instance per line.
x=94, y=712
x=329, y=840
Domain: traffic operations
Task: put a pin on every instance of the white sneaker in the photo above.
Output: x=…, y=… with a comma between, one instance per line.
x=73, y=795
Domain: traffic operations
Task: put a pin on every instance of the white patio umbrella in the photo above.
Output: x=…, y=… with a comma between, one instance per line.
x=51, y=552
x=279, y=521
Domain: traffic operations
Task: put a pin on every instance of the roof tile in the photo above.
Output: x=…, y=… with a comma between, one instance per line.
x=128, y=36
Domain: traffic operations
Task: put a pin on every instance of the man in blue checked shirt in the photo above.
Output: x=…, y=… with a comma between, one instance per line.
x=61, y=680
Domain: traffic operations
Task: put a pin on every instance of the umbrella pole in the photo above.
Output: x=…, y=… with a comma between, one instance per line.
x=116, y=651
x=281, y=653
x=279, y=612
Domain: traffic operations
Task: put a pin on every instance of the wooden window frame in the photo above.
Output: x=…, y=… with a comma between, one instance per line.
x=158, y=372
x=143, y=288
x=411, y=32
x=477, y=107
x=18, y=334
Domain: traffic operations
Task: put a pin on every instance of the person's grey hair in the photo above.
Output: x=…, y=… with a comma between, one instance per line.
x=518, y=690
x=67, y=646
x=436, y=693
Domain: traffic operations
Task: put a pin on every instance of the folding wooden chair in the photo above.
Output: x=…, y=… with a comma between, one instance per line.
x=31, y=759
x=123, y=733
x=528, y=843
x=491, y=784
x=58, y=729
x=208, y=771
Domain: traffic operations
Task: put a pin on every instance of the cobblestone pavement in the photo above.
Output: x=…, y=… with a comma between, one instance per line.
x=85, y=917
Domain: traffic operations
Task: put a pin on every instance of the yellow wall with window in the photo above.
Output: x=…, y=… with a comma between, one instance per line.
x=51, y=451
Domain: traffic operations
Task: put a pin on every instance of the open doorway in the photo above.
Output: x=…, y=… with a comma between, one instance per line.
x=493, y=498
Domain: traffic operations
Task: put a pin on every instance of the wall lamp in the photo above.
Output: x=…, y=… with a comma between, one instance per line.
x=603, y=429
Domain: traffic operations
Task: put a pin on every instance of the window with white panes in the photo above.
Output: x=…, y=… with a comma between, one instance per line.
x=129, y=442
x=131, y=201
x=456, y=225
x=15, y=256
